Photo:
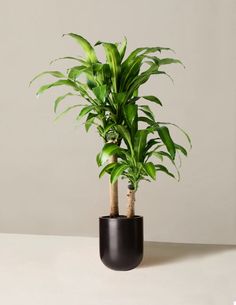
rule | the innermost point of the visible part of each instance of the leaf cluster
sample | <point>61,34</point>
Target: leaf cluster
<point>111,103</point>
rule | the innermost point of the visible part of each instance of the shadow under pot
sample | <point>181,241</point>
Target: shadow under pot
<point>121,242</point>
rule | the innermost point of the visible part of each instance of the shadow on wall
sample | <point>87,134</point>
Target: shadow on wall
<point>164,253</point>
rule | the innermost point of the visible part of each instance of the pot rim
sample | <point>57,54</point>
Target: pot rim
<point>120,218</point>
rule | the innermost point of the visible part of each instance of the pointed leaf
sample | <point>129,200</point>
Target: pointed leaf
<point>164,134</point>
<point>67,110</point>
<point>152,99</point>
<point>140,144</point>
<point>130,112</point>
<point>84,111</point>
<point>60,99</point>
<point>147,110</point>
<point>183,131</point>
<point>88,49</point>
<point>114,60</point>
<point>150,169</point>
<point>122,48</point>
<point>108,150</point>
<point>182,149</point>
<point>107,168</point>
<point>100,92</point>
<point>117,171</point>
<point>57,74</point>
<point>162,168</point>
<point>61,82</point>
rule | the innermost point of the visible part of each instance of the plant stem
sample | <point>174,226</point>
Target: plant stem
<point>114,204</point>
<point>131,202</point>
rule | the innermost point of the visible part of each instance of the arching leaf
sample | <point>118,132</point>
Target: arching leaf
<point>61,82</point>
<point>117,171</point>
<point>88,49</point>
<point>57,74</point>
<point>164,134</point>
<point>150,169</point>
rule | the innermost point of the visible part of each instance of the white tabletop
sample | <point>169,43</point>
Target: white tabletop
<point>58,270</point>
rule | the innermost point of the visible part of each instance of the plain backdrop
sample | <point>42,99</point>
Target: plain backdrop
<point>48,173</point>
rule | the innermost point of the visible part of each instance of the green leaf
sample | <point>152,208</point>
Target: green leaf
<point>130,112</point>
<point>167,61</point>
<point>57,74</point>
<point>67,110</point>
<point>117,171</point>
<point>100,92</point>
<point>125,135</point>
<point>75,72</point>
<point>162,168</point>
<point>60,99</point>
<point>61,82</point>
<point>84,111</point>
<point>158,155</point>
<point>107,168</point>
<point>146,109</point>
<point>90,120</point>
<point>108,150</point>
<point>114,60</point>
<point>140,140</point>
<point>152,99</point>
<point>146,120</point>
<point>150,169</point>
<point>183,131</point>
<point>182,149</point>
<point>129,70</point>
<point>88,49</point>
<point>122,48</point>
<point>164,134</point>
<point>68,57</point>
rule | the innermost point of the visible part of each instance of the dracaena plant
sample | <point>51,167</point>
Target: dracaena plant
<point>108,100</point>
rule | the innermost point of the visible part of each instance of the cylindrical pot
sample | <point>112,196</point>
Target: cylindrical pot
<point>121,242</point>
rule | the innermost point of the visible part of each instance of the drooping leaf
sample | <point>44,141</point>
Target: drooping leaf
<point>183,131</point>
<point>117,171</point>
<point>90,120</point>
<point>60,99</point>
<point>147,110</point>
<point>164,134</point>
<point>68,57</point>
<point>61,82</point>
<point>162,168</point>
<point>67,110</point>
<point>150,169</point>
<point>108,150</point>
<point>88,49</point>
<point>182,149</point>
<point>157,154</point>
<point>84,111</point>
<point>75,72</point>
<point>107,168</point>
<point>167,61</point>
<point>152,99</point>
<point>57,74</point>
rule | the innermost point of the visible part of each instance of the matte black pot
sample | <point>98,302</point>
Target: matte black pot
<point>121,242</point>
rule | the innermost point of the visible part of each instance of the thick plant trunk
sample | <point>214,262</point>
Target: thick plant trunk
<point>131,202</point>
<point>114,207</point>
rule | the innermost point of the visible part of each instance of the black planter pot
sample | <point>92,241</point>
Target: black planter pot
<point>121,242</point>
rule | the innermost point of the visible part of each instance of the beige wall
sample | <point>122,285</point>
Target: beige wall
<point>48,174</point>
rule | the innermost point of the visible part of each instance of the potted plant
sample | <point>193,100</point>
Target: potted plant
<point>135,144</point>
